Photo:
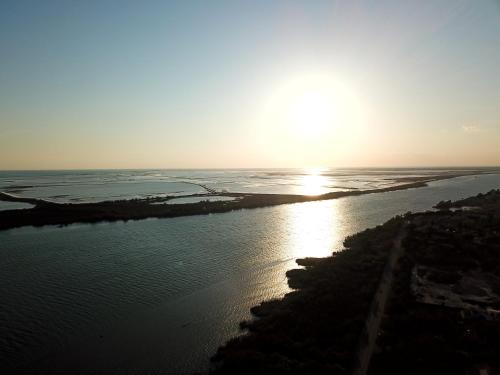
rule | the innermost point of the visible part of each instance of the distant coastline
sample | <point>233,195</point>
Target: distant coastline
<point>52,213</point>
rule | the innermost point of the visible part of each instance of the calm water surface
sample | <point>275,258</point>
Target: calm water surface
<point>14,205</point>
<point>160,295</point>
<point>100,185</point>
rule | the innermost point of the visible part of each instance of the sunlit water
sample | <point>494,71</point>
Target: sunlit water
<point>160,295</point>
<point>100,185</point>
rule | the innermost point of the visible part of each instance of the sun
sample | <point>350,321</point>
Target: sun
<point>310,117</point>
<point>309,107</point>
<point>311,112</point>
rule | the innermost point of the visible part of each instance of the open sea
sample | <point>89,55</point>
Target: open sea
<point>158,296</point>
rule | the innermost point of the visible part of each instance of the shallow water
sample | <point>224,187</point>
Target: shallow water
<point>160,295</point>
<point>100,185</point>
<point>14,205</point>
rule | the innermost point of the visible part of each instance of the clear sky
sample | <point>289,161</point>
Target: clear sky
<point>223,84</point>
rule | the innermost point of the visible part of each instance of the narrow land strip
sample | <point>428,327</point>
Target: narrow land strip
<point>52,213</point>
<point>378,306</point>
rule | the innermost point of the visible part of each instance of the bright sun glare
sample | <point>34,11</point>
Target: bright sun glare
<point>311,112</point>
<point>313,182</point>
<point>311,108</point>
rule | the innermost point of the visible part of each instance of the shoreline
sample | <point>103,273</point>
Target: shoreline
<point>367,296</point>
<point>318,327</point>
<point>52,213</point>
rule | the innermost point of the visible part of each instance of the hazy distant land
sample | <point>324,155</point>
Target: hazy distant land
<point>51,213</point>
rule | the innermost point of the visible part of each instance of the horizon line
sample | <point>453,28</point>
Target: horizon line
<point>253,168</point>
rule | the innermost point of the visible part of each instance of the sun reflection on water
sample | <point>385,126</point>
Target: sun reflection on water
<point>310,229</point>
<point>313,183</point>
<point>315,229</point>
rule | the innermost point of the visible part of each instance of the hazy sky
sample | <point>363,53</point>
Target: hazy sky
<point>189,84</point>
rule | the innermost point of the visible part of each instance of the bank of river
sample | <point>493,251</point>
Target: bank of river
<point>160,295</point>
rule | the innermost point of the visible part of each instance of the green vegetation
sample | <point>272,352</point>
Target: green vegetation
<point>317,328</point>
<point>446,338</point>
<point>481,200</point>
